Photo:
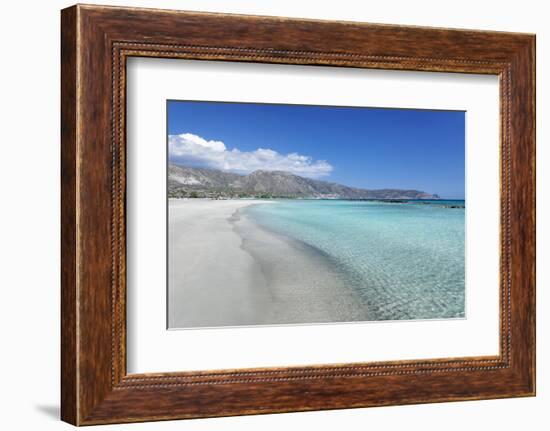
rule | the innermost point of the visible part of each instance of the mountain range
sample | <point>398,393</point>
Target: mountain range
<point>202,182</point>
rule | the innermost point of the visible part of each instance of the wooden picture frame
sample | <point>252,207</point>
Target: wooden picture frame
<point>95,43</point>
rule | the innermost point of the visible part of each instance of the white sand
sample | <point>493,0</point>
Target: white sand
<point>224,270</point>
<point>212,280</point>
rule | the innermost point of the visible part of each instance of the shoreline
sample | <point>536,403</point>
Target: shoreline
<point>306,284</point>
<point>226,270</point>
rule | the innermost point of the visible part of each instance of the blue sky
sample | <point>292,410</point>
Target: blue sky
<point>362,147</point>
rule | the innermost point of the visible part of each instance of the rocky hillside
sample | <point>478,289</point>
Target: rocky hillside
<point>200,182</point>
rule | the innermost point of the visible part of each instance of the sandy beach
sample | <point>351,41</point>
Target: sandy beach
<point>224,270</point>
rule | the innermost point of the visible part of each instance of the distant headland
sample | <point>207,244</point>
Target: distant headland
<point>188,182</point>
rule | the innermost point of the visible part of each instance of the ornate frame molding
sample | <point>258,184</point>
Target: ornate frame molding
<point>96,41</point>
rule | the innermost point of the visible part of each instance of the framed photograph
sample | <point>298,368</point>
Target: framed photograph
<point>290,247</point>
<point>265,215</point>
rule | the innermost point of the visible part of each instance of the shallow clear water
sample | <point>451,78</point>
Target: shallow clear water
<point>405,260</point>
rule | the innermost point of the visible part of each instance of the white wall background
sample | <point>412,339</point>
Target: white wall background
<point>29,214</point>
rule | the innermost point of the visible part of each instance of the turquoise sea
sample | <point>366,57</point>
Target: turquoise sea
<point>405,260</point>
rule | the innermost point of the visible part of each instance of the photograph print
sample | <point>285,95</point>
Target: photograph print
<point>285,214</point>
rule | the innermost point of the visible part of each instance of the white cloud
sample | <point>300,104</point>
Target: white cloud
<point>190,149</point>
